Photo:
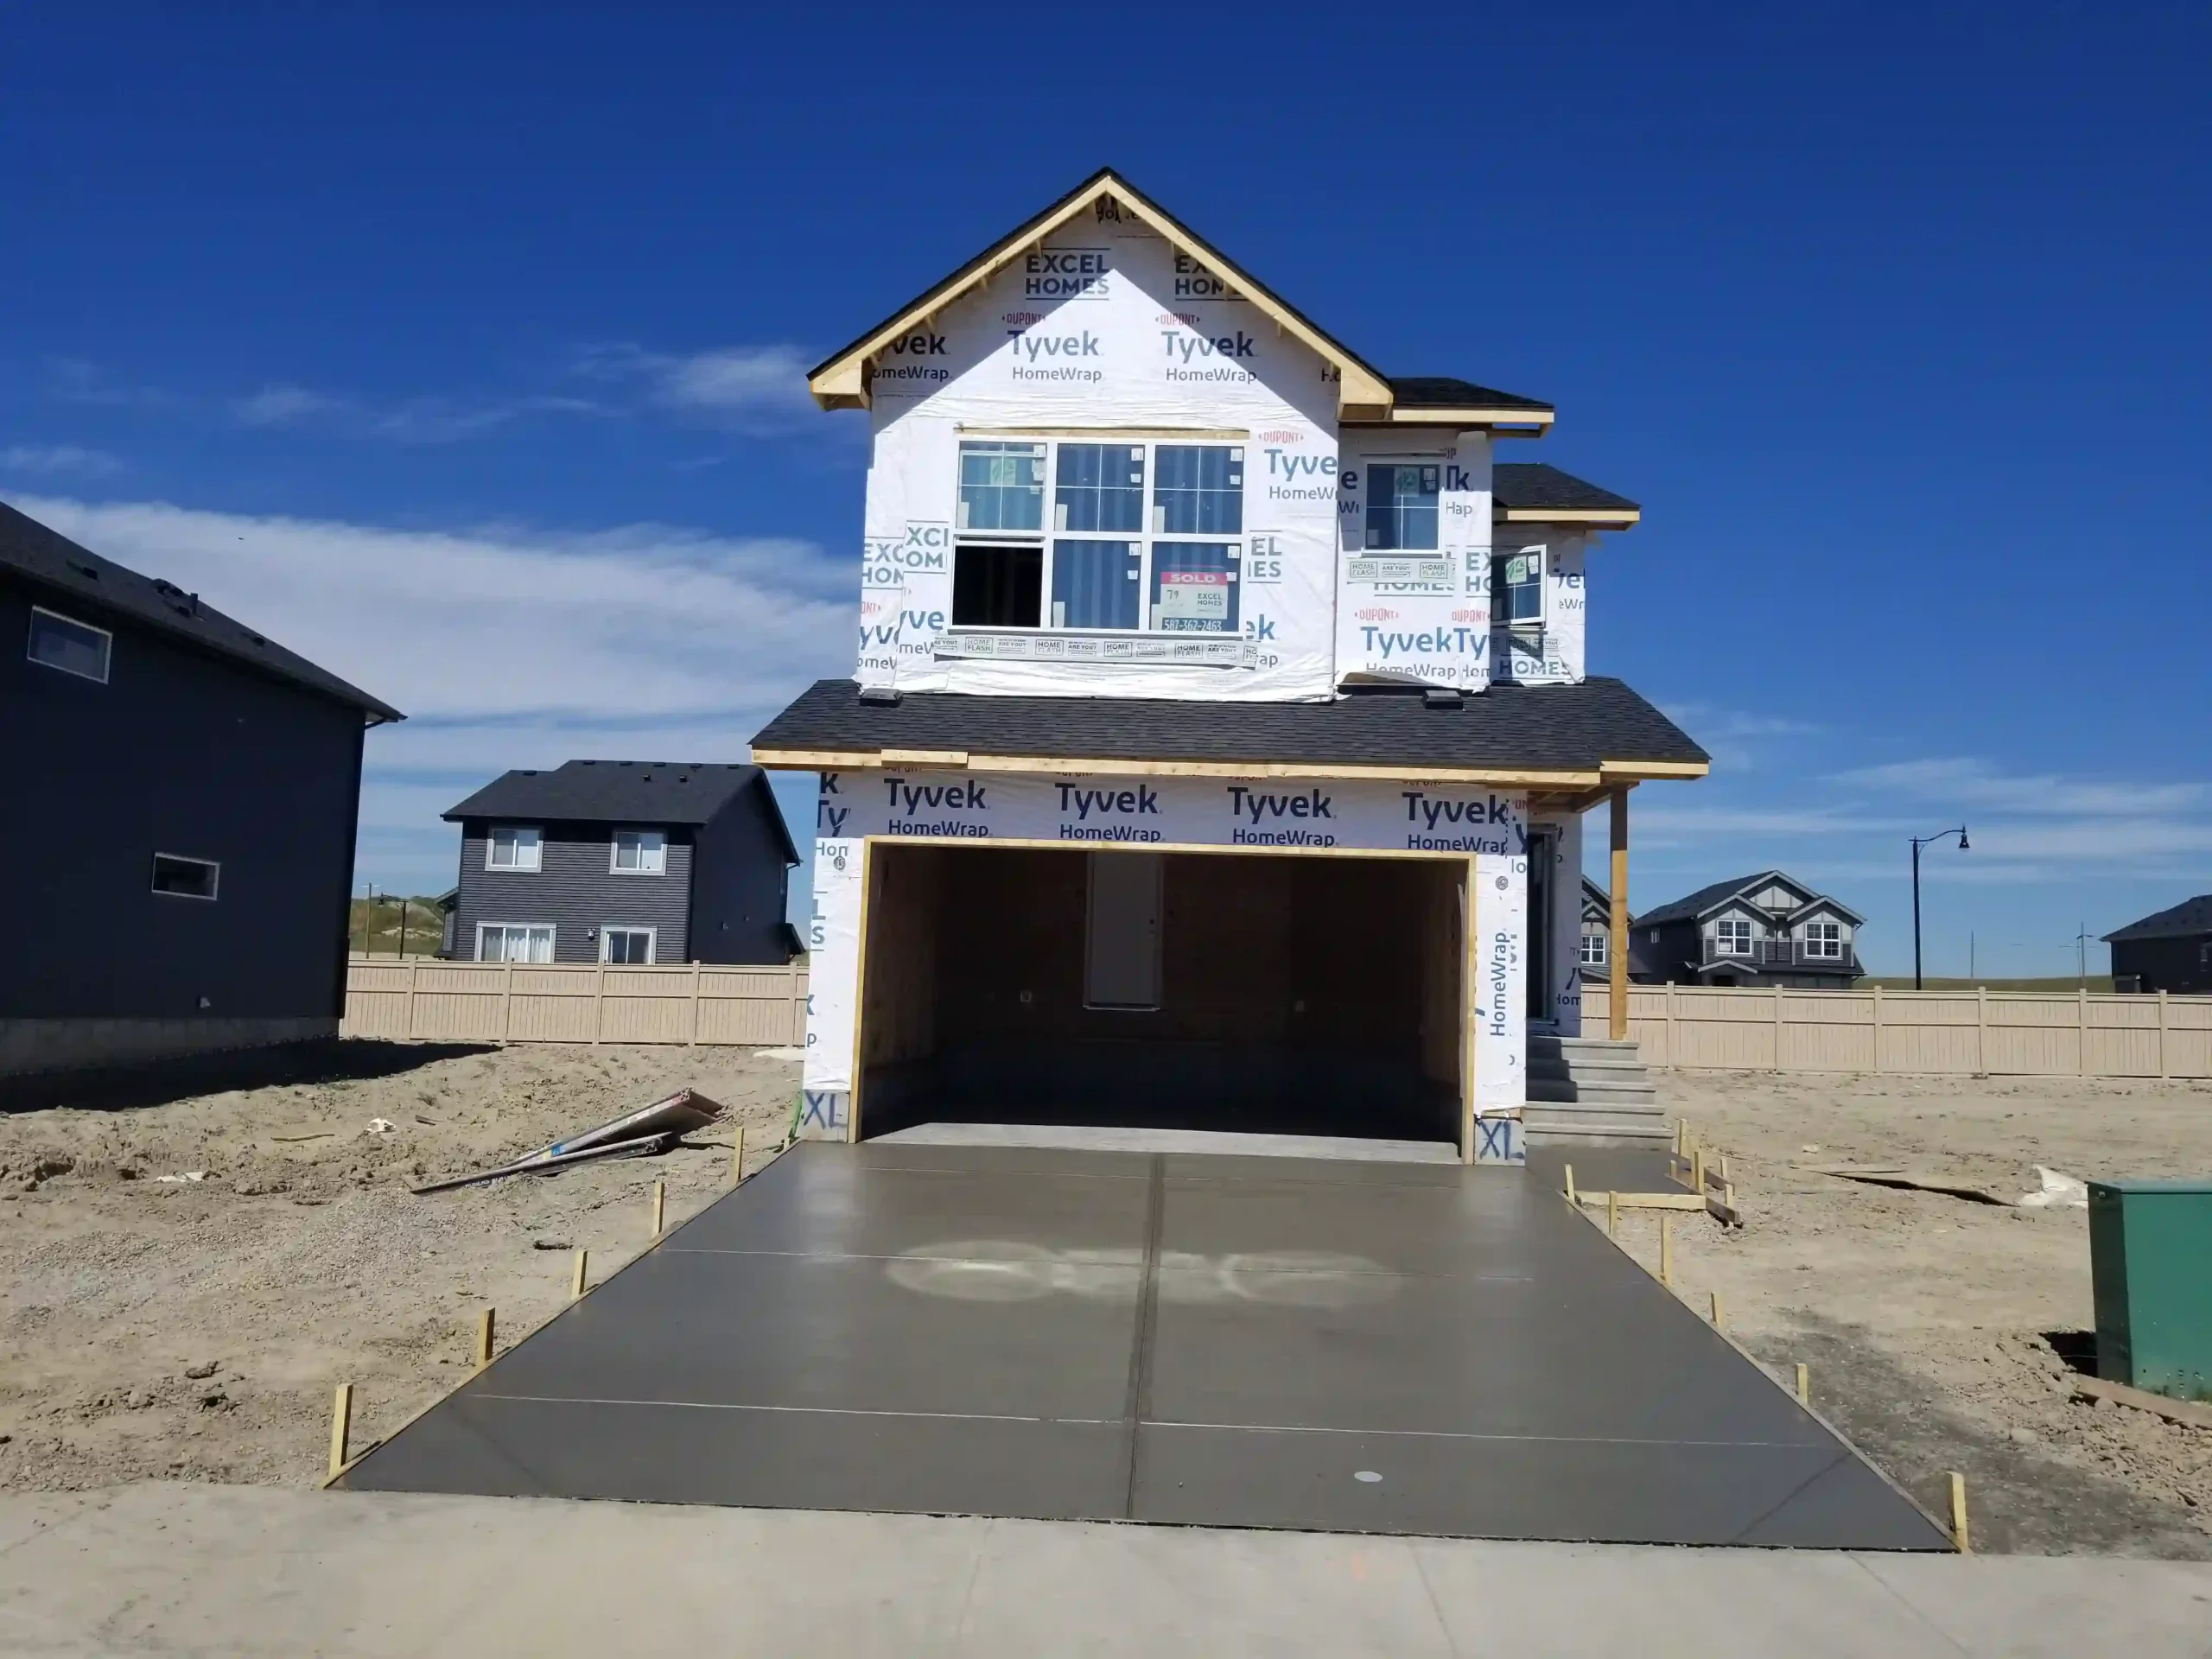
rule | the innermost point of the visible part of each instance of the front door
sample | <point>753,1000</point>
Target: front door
<point>1543,848</point>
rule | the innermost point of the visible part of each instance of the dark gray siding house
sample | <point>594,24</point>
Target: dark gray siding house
<point>180,805</point>
<point>2169,951</point>
<point>623,861</point>
<point>1767,929</point>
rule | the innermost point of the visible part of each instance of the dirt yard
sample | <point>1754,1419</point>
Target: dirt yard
<point>1938,1330</point>
<point>195,1328</point>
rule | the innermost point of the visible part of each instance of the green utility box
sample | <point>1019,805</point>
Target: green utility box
<point>2151,1266</point>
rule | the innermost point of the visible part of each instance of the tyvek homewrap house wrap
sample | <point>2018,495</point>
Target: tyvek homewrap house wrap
<point>1226,698</point>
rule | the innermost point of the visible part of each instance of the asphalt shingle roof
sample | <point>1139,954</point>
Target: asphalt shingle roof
<point>1535,485</point>
<point>1444,391</point>
<point>1563,728</point>
<point>2191,917</point>
<point>1696,903</point>
<point>81,581</point>
<point>619,792</point>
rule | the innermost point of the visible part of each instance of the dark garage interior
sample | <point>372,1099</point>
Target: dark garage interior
<point>1286,994</point>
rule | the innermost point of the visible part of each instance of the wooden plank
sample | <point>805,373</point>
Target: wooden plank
<point>2188,1412</point>
<point>341,1428</point>
<point>1642,1200</point>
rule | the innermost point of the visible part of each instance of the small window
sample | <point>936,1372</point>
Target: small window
<point>513,847</point>
<point>1516,588</point>
<point>1731,937</point>
<point>184,878</point>
<point>1197,490</point>
<point>1002,486</point>
<point>1402,506</point>
<point>626,945</point>
<point>1593,947</point>
<point>73,647</point>
<point>997,587</point>
<point>1824,939</point>
<point>640,852</point>
<point>513,942</point>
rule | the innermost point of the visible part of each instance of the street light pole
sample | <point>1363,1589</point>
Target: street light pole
<point>1919,842</point>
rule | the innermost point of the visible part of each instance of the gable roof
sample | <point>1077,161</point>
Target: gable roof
<point>1593,894</point>
<point>1532,492</point>
<point>841,380</point>
<point>2191,917</point>
<point>85,582</point>
<point>1705,900</point>
<point>622,791</point>
<point>1571,735</point>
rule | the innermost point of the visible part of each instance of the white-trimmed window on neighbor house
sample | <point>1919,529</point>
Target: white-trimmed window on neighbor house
<point>74,647</point>
<point>531,941</point>
<point>514,846</point>
<point>187,878</point>
<point>639,852</point>
<point>1135,536</point>
<point>1516,588</point>
<point>1824,940</point>
<point>1731,937</point>
<point>1402,504</point>
<point>1593,945</point>
<point>626,945</point>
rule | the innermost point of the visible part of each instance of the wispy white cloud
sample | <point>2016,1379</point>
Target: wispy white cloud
<point>59,458</point>
<point>417,420</point>
<point>751,387</point>
<point>77,381</point>
<point>1967,782</point>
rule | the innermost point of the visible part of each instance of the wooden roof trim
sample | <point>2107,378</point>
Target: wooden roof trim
<point>868,760</point>
<point>1619,518</point>
<point>842,382</point>
<point>1477,414</point>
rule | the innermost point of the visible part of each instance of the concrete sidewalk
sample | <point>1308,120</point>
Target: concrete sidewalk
<point>182,1569</point>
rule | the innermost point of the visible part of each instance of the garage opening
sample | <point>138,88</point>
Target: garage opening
<point>1253,993</point>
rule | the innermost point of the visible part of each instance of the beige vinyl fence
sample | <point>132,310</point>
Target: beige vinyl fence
<point>1964,1033</point>
<point>580,1002</point>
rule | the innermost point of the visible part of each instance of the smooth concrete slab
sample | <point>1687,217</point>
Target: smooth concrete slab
<point>1227,1340</point>
<point>1099,1138</point>
<point>173,1567</point>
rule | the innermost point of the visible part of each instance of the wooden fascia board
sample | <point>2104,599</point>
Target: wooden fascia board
<point>1529,418</point>
<point>867,760</point>
<point>841,384</point>
<point>1629,772</point>
<point>1618,518</point>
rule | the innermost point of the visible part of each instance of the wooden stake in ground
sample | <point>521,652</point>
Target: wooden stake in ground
<point>487,1325</point>
<point>577,1280</point>
<point>1667,1251</point>
<point>1959,1514</point>
<point>341,1427</point>
<point>1720,1313</point>
<point>737,1155</point>
<point>1612,1215</point>
<point>1697,1171</point>
<point>1570,1184</point>
<point>1805,1385</point>
<point>660,1204</point>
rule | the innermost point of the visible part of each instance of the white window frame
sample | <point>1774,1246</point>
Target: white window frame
<point>1596,946</point>
<point>1143,539</point>
<point>652,940</point>
<point>1824,941</point>
<point>1541,553</point>
<point>537,848</point>
<point>215,884</point>
<point>659,866</point>
<point>107,645</point>
<point>552,940</point>
<point>1728,930</point>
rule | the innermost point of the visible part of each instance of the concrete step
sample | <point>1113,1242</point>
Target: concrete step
<point>1539,1135</point>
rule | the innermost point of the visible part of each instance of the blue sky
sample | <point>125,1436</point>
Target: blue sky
<point>460,348</point>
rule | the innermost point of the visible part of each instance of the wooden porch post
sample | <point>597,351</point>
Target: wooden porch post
<point>1617,988</point>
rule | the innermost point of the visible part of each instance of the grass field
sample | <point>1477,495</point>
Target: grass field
<point>375,929</point>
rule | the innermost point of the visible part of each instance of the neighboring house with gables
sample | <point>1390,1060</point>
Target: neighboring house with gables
<point>1594,954</point>
<point>1768,929</point>
<point>624,862</point>
<point>180,799</point>
<point>2169,951</point>
<point>1220,733</point>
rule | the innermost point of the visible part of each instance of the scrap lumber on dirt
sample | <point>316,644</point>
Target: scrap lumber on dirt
<point>1896,1175</point>
<point>2187,1411</point>
<point>646,1132</point>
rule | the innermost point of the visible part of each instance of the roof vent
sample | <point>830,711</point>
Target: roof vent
<point>881,697</point>
<point>88,572</point>
<point>1440,696</point>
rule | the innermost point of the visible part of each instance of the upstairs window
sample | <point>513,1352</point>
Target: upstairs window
<point>74,647</point>
<point>1402,504</point>
<point>513,847</point>
<point>1593,945</point>
<point>640,852</point>
<point>1824,939</point>
<point>1731,937</point>
<point>1516,588</point>
<point>1142,536</point>
<point>186,878</point>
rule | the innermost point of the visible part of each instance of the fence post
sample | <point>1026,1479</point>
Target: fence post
<point>414,972</point>
<point>1777,1027</point>
<point>599,1002</point>
<point>797,1023</point>
<point>1878,1030</point>
<point>506,1001</point>
<point>2082,1029</point>
<point>1671,1050</point>
<point>695,967</point>
<point>1981,1031</point>
<point>2162,1036</point>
